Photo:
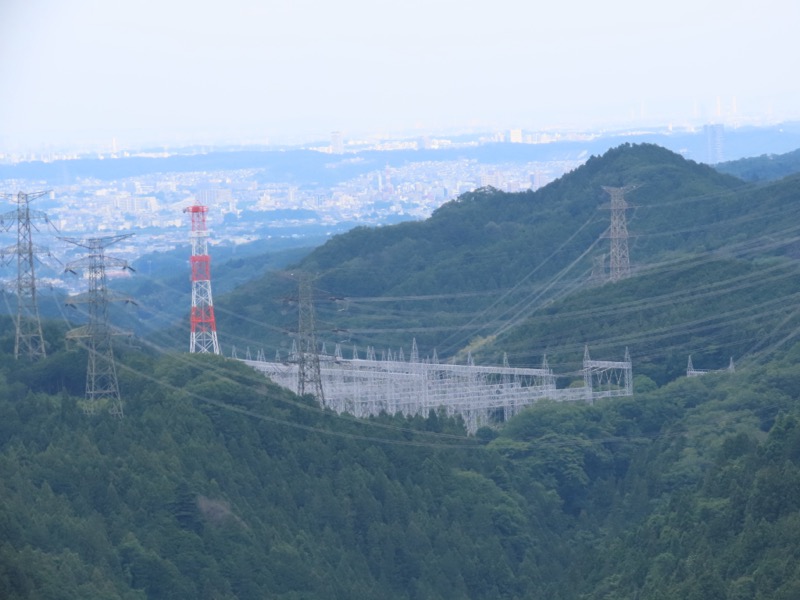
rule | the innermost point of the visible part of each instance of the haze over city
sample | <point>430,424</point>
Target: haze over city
<point>88,72</point>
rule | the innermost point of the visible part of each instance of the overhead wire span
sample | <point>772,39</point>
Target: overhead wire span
<point>462,294</point>
<point>294,425</point>
<point>636,304</point>
<point>560,275</point>
<point>355,301</point>
<point>664,333</point>
<point>523,309</point>
<point>754,279</point>
<point>452,341</point>
<point>477,444</point>
<point>257,379</point>
<point>745,247</point>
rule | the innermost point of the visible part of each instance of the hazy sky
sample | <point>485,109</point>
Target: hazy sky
<point>77,70</point>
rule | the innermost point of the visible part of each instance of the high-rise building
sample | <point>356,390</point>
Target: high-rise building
<point>337,142</point>
<point>538,180</point>
<point>213,196</point>
<point>715,142</point>
<point>491,179</point>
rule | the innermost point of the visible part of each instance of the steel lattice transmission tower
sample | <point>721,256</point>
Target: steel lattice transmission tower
<point>102,387</point>
<point>204,325</point>
<point>619,260</point>
<point>309,377</point>
<point>29,340</point>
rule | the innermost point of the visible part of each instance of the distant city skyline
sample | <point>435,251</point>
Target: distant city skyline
<point>279,71</point>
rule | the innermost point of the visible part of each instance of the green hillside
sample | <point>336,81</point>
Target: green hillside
<point>493,272</point>
<point>217,484</point>
<point>712,308</point>
<point>767,167</point>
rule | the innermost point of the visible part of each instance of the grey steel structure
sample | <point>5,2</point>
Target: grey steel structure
<point>692,372</point>
<point>28,341</point>
<point>480,395</point>
<point>309,377</point>
<point>607,378</point>
<point>619,259</point>
<point>102,386</point>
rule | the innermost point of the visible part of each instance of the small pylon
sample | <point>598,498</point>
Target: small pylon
<point>309,376</point>
<point>29,340</point>
<point>102,386</point>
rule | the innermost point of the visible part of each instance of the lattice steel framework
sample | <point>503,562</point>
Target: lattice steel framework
<point>607,378</point>
<point>203,337</point>
<point>102,386</point>
<point>692,372</point>
<point>619,259</point>
<point>309,378</point>
<point>29,340</point>
<point>481,395</point>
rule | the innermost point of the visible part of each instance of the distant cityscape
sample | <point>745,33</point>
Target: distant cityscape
<point>242,206</point>
<point>246,205</point>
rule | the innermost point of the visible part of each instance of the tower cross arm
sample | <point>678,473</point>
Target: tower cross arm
<point>87,262</point>
<point>87,297</point>
<point>13,215</point>
<point>21,197</point>
<point>85,331</point>
<point>618,196</point>
<point>96,243</point>
<point>15,249</point>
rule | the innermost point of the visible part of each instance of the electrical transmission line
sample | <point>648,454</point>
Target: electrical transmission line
<point>102,387</point>
<point>204,325</point>
<point>619,260</point>
<point>309,378</point>
<point>28,340</point>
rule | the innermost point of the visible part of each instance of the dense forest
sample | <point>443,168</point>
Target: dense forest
<point>767,167</point>
<point>218,484</point>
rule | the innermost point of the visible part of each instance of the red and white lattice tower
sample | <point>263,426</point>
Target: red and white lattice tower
<point>204,325</point>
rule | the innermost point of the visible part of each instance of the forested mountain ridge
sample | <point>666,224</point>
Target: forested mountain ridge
<point>713,309</point>
<point>525,226</point>
<point>767,167</point>
<point>483,264</point>
<point>217,484</point>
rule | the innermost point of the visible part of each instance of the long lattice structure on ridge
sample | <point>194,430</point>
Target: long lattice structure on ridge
<point>481,395</point>
<point>29,340</point>
<point>203,337</point>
